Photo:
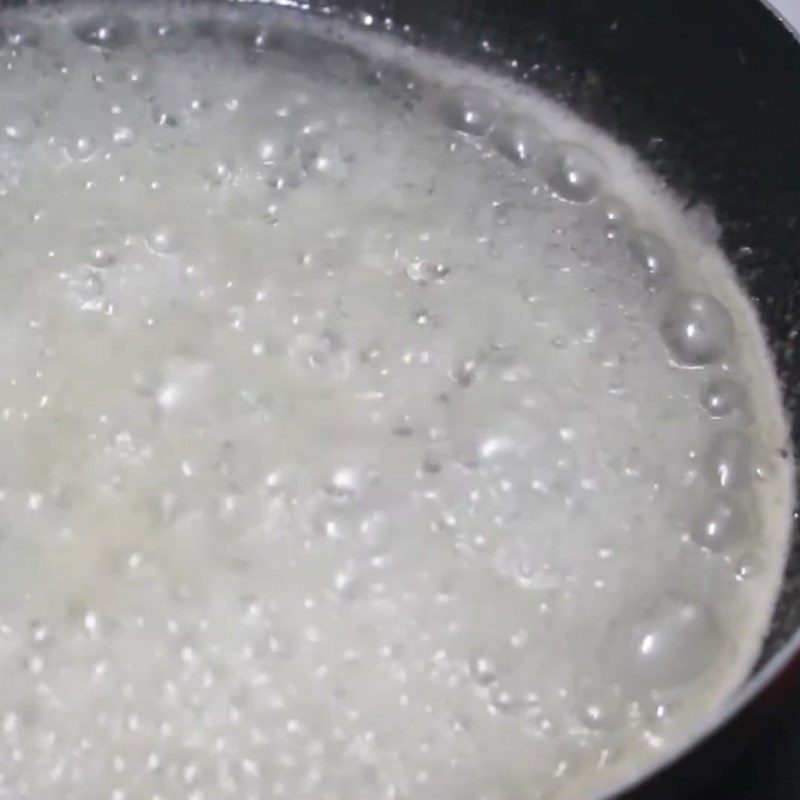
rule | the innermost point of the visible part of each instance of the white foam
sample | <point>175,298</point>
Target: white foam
<point>343,453</point>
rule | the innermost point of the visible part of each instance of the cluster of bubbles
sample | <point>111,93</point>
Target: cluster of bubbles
<point>347,409</point>
<point>696,328</point>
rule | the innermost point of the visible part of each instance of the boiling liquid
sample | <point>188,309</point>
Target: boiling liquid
<point>371,427</point>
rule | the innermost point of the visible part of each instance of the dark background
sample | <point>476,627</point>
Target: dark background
<point>769,769</point>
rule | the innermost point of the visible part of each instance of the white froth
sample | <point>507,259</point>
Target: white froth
<point>372,427</point>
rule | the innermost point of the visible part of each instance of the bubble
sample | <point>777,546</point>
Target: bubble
<point>324,352</point>
<point>470,110</point>
<point>331,162</point>
<point>167,121</point>
<point>482,669</point>
<point>517,138</point>
<point>374,530</point>
<point>88,287</point>
<point>463,371</point>
<point>396,81</point>
<point>82,149</point>
<point>573,173</point>
<point>123,136</point>
<point>19,124</point>
<point>101,256</point>
<point>599,706</point>
<point>721,397</point>
<point>267,152</point>
<point>346,581</point>
<point>220,172</point>
<point>722,525</point>
<point>426,272</point>
<point>186,384</point>
<point>321,157</point>
<point>499,446</point>
<point>505,702</point>
<point>617,215</point>
<point>163,241</point>
<point>348,481</point>
<point>109,31</point>
<point>20,33</point>
<point>255,36</point>
<point>728,459</point>
<point>170,36</point>
<point>696,328</point>
<point>749,566</point>
<point>652,254</point>
<point>669,643</point>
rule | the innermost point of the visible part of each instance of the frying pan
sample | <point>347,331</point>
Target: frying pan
<point>708,93</point>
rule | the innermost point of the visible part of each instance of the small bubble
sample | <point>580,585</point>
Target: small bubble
<point>600,706</point>
<point>426,272</point>
<point>616,211</point>
<point>90,288</point>
<point>101,257</point>
<point>35,665</point>
<point>519,139</point>
<point>20,33</point>
<point>721,397</point>
<point>163,241</point>
<point>749,566</point>
<point>503,701</point>
<point>124,136</point>
<point>499,446</point>
<point>652,254</point>
<point>186,383</point>
<point>728,459</point>
<point>255,36</point>
<point>373,530</point>
<point>421,317</point>
<point>470,110</point>
<point>163,119</point>
<point>83,149</point>
<point>616,215</point>
<point>696,328</point>
<point>91,623</point>
<point>109,31</point>
<point>345,582</point>
<point>330,161</point>
<point>463,372</point>
<point>722,525</point>
<point>267,152</point>
<point>347,482</point>
<point>220,172</point>
<point>40,632</point>
<point>17,131</point>
<point>573,173</point>
<point>482,670</point>
<point>664,644</point>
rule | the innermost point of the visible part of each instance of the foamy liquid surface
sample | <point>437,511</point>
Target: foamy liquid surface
<point>370,428</point>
